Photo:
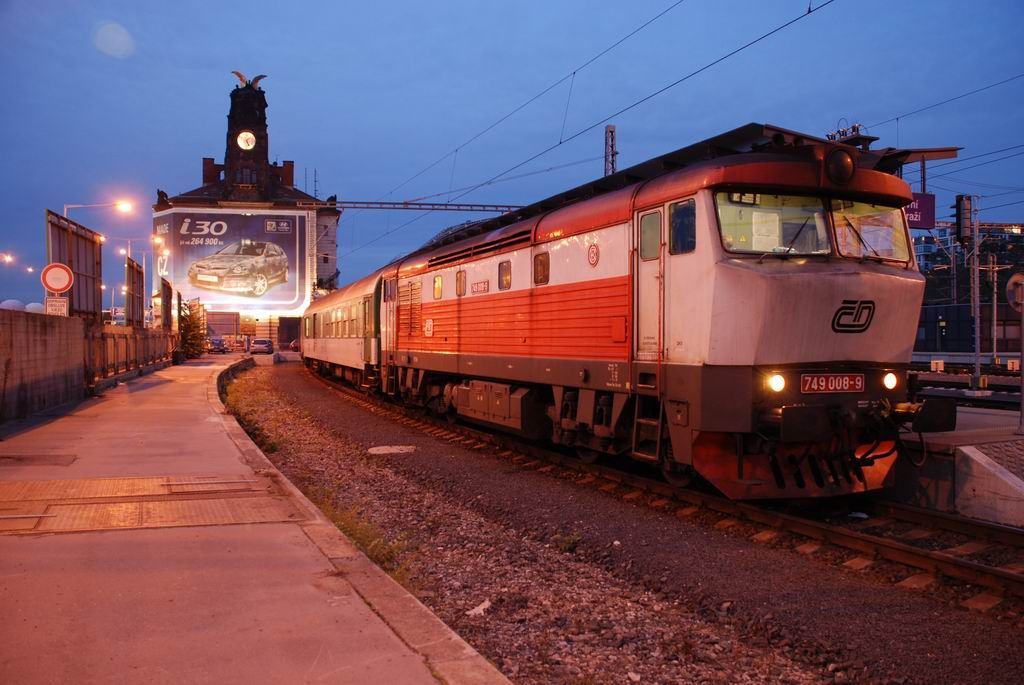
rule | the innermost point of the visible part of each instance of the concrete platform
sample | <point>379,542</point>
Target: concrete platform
<point>145,538</point>
<point>977,470</point>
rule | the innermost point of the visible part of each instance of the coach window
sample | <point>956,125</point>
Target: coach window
<point>438,286</point>
<point>650,236</point>
<point>504,275</point>
<point>682,221</point>
<point>541,268</point>
<point>460,283</point>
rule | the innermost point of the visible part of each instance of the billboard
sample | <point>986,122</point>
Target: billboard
<point>80,248</point>
<point>134,299</point>
<point>237,261</point>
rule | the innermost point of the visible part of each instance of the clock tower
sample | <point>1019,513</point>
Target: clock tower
<point>247,156</point>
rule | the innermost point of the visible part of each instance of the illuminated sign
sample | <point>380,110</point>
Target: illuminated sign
<point>921,212</point>
<point>235,261</point>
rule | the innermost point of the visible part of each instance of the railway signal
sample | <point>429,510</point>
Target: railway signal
<point>963,218</point>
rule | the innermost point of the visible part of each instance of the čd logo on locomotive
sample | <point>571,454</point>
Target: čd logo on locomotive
<point>853,316</point>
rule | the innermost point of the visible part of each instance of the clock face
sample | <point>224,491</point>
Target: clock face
<point>246,140</point>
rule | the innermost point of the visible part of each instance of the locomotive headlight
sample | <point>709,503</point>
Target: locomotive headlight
<point>889,380</point>
<point>839,165</point>
<point>776,382</point>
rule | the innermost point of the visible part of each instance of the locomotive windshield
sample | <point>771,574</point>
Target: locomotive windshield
<point>781,225</point>
<point>773,224</point>
<point>865,230</point>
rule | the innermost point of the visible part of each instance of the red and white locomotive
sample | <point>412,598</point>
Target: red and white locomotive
<point>743,309</point>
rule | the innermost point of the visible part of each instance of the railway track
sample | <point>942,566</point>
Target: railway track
<point>935,543</point>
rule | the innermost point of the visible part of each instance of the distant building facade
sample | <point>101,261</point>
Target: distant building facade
<point>246,240</point>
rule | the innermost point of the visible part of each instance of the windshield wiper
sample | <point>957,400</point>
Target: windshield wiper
<point>857,233</point>
<point>789,248</point>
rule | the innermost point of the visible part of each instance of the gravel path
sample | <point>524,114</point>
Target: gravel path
<point>556,582</point>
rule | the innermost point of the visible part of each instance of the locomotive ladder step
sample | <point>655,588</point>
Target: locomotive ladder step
<point>644,407</point>
<point>645,455</point>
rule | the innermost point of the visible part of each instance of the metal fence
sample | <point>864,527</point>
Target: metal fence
<point>111,350</point>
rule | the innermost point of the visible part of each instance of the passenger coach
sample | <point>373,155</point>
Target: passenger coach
<point>743,309</point>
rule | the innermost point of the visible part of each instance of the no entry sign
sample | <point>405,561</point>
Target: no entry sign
<point>57,277</point>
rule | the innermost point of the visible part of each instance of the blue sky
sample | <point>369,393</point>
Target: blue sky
<point>367,94</point>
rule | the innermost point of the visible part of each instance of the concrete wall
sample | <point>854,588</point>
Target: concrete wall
<point>41,362</point>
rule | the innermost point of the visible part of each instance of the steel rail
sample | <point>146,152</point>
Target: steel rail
<point>935,562</point>
<point>983,530</point>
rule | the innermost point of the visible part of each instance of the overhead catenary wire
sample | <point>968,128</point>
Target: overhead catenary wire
<point>529,101</point>
<point>637,103</point>
<point>961,160</point>
<point>974,166</point>
<point>946,101</point>
<point>514,178</point>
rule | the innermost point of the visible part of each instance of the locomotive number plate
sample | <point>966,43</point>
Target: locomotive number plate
<point>831,382</point>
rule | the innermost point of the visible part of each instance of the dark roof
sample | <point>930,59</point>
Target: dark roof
<point>212,193</point>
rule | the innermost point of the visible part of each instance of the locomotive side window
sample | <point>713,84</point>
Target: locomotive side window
<point>682,221</point>
<point>541,268</point>
<point>504,275</point>
<point>438,287</point>
<point>866,230</point>
<point>460,283</point>
<point>650,236</point>
<point>764,224</point>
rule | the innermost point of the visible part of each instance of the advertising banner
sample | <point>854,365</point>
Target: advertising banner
<point>80,248</point>
<point>921,212</point>
<point>236,261</point>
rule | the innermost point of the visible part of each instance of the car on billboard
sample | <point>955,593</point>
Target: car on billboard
<point>249,267</point>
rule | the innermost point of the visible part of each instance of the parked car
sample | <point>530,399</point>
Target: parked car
<point>294,346</point>
<point>248,267</point>
<point>261,345</point>
<point>217,345</point>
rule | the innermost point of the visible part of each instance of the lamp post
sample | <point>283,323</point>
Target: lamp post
<point>123,206</point>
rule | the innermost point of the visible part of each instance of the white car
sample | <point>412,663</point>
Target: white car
<point>261,345</point>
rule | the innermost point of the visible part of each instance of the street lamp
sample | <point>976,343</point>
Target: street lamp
<point>8,258</point>
<point>123,206</point>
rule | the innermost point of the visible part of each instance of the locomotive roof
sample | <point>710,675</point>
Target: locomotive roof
<point>750,138</point>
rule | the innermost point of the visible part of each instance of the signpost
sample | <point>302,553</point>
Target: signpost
<point>1015,296</point>
<point>57,278</point>
<point>56,306</point>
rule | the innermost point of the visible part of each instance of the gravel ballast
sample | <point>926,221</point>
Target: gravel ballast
<point>557,582</point>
